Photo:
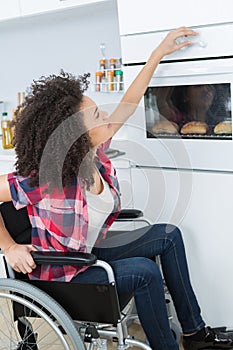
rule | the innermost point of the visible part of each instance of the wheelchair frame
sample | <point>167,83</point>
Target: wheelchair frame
<point>30,302</point>
<point>33,300</point>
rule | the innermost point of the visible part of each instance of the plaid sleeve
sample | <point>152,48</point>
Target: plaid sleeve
<point>22,194</point>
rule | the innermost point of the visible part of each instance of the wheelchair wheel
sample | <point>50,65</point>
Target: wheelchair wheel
<point>31,319</point>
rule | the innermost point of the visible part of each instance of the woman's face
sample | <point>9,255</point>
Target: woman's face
<point>96,122</point>
<point>200,96</point>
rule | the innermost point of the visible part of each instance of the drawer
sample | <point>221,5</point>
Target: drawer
<point>210,42</point>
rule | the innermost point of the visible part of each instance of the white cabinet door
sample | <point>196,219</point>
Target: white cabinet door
<point>161,194</point>
<point>150,15</point>
<point>201,205</point>
<point>30,7</point>
<point>9,9</point>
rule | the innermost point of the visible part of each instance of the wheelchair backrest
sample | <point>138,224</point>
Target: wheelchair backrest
<point>16,222</point>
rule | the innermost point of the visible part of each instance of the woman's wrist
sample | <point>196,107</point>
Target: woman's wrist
<point>157,54</point>
<point>8,247</point>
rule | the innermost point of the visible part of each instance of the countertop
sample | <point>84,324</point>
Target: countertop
<point>9,155</point>
<point>6,154</point>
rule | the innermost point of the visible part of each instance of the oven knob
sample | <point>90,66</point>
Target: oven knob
<point>202,43</point>
<point>180,40</point>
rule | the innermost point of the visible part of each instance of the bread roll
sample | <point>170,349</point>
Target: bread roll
<point>224,127</point>
<point>165,127</point>
<point>195,128</point>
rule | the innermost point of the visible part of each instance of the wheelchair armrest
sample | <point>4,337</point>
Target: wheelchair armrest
<point>63,258</point>
<point>129,214</point>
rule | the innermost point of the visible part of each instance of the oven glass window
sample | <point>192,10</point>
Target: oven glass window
<point>189,111</point>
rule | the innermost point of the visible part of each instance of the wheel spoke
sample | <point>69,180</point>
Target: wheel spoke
<point>40,320</point>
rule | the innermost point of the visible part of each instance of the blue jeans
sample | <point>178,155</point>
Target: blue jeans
<point>130,255</point>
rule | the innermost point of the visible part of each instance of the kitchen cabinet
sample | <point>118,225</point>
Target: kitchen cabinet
<point>9,9</point>
<point>200,204</point>
<point>149,15</point>
<point>29,7</point>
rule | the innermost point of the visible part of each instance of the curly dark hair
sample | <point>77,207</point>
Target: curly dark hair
<point>51,142</point>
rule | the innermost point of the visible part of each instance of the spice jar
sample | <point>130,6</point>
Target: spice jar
<point>7,134</point>
<point>103,66</point>
<point>103,85</point>
<point>112,62</point>
<point>110,80</point>
<point>119,79</point>
<point>98,79</point>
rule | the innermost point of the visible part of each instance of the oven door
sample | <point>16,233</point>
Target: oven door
<point>184,119</point>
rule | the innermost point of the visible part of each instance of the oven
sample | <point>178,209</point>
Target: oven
<point>185,117</point>
<point>179,143</point>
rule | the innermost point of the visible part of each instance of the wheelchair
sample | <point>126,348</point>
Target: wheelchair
<point>59,315</point>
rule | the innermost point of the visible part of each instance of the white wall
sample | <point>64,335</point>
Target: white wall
<point>43,44</point>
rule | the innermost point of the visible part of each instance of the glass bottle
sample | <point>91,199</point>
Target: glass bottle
<point>103,66</point>
<point>98,80</point>
<point>112,62</point>
<point>110,80</point>
<point>103,86</point>
<point>7,134</point>
<point>119,80</point>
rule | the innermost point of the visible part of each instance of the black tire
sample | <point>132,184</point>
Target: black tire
<point>50,324</point>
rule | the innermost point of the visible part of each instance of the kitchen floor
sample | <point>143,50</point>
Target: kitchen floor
<point>6,319</point>
<point>135,330</point>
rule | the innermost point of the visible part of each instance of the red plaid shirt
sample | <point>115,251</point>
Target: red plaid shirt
<point>60,221</point>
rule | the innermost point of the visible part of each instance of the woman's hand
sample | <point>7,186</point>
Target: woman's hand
<point>169,43</point>
<point>19,258</point>
<point>136,90</point>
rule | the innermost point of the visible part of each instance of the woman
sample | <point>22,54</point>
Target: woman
<point>202,103</point>
<point>62,171</point>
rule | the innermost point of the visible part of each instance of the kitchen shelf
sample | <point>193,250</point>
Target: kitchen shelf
<point>104,87</point>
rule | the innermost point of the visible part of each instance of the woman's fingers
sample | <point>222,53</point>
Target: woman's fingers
<point>20,259</point>
<point>171,43</point>
<point>183,31</point>
<point>30,260</point>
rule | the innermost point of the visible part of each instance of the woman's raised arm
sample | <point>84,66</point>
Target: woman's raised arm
<point>136,90</point>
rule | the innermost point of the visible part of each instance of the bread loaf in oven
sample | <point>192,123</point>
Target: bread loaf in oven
<point>165,127</point>
<point>194,127</point>
<point>224,127</point>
